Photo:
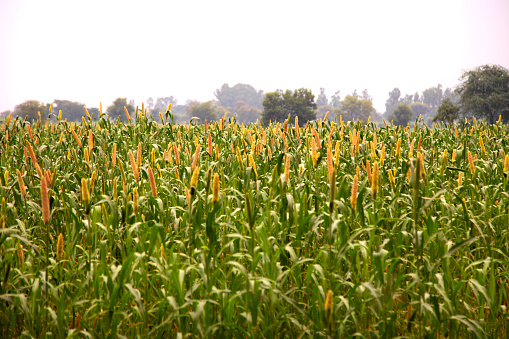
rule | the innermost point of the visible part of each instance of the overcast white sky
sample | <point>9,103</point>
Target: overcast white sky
<point>93,51</point>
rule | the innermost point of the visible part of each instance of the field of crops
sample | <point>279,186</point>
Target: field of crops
<point>219,230</point>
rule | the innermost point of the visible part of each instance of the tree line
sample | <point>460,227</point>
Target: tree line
<point>483,93</point>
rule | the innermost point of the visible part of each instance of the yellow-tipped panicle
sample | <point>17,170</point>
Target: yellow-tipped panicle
<point>252,164</point>
<point>471,164</point>
<point>194,180</point>
<point>21,255</point>
<point>374,183</point>
<point>76,138</point>
<point>21,184</point>
<point>391,180</point>
<point>353,199</point>
<point>46,215</point>
<point>152,181</point>
<point>287,169</point>
<point>328,309</point>
<point>114,155</point>
<point>138,156</point>
<point>85,194</point>
<point>127,114</point>
<point>481,144</point>
<point>134,166</point>
<point>60,246</point>
<point>215,189</point>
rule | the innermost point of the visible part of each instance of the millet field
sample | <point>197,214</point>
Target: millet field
<point>319,229</point>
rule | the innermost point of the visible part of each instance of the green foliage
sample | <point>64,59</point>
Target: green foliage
<point>336,100</point>
<point>484,93</point>
<point>322,110</point>
<point>402,115</point>
<point>246,114</point>
<point>71,110</point>
<point>355,108</point>
<point>277,106</point>
<point>117,110</point>
<point>30,110</point>
<point>392,102</point>
<point>447,111</point>
<point>268,255</point>
<point>229,96</point>
<point>203,111</point>
<point>419,109</point>
<point>432,96</point>
<point>322,100</point>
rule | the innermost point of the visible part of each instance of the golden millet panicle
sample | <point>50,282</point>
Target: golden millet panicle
<point>194,180</point>
<point>374,183</point>
<point>328,309</point>
<point>215,189</point>
<point>46,215</point>
<point>21,184</point>
<point>152,181</point>
<point>134,166</point>
<point>60,246</point>
<point>353,199</point>
<point>85,193</point>
<point>21,255</point>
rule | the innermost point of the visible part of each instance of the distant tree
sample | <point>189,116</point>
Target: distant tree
<point>419,109</point>
<point>203,111</point>
<point>322,110</point>
<point>165,101</point>
<point>29,110</point>
<point>432,96</point>
<point>392,102</point>
<point>484,93</point>
<point>365,95</point>
<point>336,100</point>
<point>451,95</point>
<point>322,100</point>
<point>117,109</point>
<point>71,110</point>
<point>447,111</point>
<point>417,97</point>
<point>5,114</point>
<point>407,99</point>
<point>355,94</point>
<point>277,106</point>
<point>228,96</point>
<point>355,108</point>
<point>402,114</point>
<point>246,114</point>
<point>150,103</point>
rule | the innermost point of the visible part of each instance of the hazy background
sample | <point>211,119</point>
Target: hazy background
<point>93,51</point>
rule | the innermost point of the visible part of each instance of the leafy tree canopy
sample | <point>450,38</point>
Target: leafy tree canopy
<point>419,109</point>
<point>245,113</point>
<point>447,111</point>
<point>355,108</point>
<point>322,100</point>
<point>228,96</point>
<point>322,110</point>
<point>117,109</point>
<point>432,96</point>
<point>277,106</point>
<point>484,92</point>
<point>336,100</point>
<point>71,110</point>
<point>30,109</point>
<point>203,111</point>
<point>402,114</point>
<point>392,102</point>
